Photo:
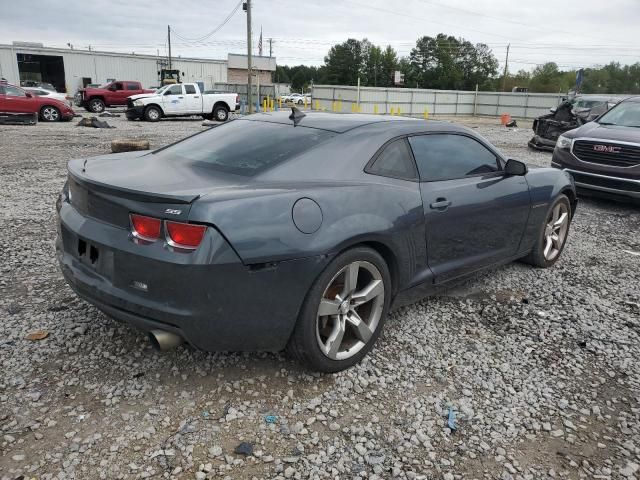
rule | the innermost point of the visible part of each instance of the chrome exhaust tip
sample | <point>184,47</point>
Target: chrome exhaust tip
<point>162,340</point>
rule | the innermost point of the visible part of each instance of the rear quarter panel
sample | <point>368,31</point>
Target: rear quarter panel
<point>260,226</point>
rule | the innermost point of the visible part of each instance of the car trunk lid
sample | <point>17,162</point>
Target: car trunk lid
<point>110,187</point>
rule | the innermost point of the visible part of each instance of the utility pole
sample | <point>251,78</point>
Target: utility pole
<point>249,59</point>
<point>506,66</point>
<point>270,47</point>
<point>169,40</point>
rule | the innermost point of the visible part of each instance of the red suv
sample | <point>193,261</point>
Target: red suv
<point>14,100</point>
<point>109,95</point>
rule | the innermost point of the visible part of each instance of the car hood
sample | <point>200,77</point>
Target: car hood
<point>142,95</point>
<point>606,132</point>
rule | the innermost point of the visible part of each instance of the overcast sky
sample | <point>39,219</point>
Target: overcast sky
<point>573,33</point>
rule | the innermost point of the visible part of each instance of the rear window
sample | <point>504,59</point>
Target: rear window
<point>245,147</point>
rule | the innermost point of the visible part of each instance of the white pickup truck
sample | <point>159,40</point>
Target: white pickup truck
<point>182,99</point>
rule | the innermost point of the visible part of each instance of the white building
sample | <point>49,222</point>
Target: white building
<point>70,69</point>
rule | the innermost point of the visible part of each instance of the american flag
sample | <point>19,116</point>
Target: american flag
<point>260,43</point>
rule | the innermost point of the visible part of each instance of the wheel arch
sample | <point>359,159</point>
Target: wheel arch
<point>573,198</point>
<point>220,103</point>
<point>154,105</point>
<point>385,252</point>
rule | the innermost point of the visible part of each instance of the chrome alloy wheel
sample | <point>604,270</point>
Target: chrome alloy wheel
<point>153,114</point>
<point>555,232</point>
<point>350,310</point>
<point>50,114</point>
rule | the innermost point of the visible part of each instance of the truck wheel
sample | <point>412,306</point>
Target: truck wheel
<point>96,105</point>
<point>220,114</point>
<point>152,114</point>
<point>49,114</point>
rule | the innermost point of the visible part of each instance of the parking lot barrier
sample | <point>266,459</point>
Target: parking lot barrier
<point>426,114</point>
<point>375,109</point>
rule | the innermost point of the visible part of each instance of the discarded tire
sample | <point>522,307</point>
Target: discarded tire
<point>128,145</point>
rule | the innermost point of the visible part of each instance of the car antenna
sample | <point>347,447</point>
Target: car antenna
<point>296,115</point>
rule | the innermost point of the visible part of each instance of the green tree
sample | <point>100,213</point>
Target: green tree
<point>445,62</point>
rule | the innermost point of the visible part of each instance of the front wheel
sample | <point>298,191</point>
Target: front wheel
<point>96,105</point>
<point>553,234</point>
<point>343,312</point>
<point>49,114</point>
<point>152,114</point>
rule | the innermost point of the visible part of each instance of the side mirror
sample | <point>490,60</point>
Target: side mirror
<point>29,95</point>
<point>515,167</point>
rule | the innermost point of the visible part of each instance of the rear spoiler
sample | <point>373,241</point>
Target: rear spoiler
<point>76,175</point>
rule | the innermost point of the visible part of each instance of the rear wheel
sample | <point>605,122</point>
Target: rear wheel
<point>49,113</point>
<point>553,234</point>
<point>300,102</point>
<point>96,105</point>
<point>152,114</point>
<point>344,312</point>
<point>220,114</point>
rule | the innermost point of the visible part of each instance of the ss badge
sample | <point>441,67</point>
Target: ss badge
<point>171,211</point>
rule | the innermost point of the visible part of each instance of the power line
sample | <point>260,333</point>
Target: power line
<point>215,30</point>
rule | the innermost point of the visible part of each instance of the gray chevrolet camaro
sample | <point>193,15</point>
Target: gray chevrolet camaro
<point>299,231</point>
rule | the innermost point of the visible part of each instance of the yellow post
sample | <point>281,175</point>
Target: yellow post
<point>398,112</point>
<point>353,108</point>
<point>272,104</point>
<point>264,104</point>
<point>426,114</point>
<point>333,106</point>
<point>375,109</point>
<point>340,105</point>
<point>279,103</point>
<point>359,108</point>
<point>392,112</point>
<point>317,105</point>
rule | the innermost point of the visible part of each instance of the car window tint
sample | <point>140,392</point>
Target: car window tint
<point>244,147</point>
<point>118,86</point>
<point>13,92</point>
<point>174,90</point>
<point>447,156</point>
<point>189,89</point>
<point>132,86</point>
<point>394,161</point>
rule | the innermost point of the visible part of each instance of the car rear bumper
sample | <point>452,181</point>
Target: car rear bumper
<point>209,297</point>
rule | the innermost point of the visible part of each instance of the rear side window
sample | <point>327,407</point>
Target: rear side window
<point>449,156</point>
<point>189,89</point>
<point>132,86</point>
<point>244,147</point>
<point>394,161</point>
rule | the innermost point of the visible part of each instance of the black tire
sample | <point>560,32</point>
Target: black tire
<point>152,114</point>
<point>537,257</point>
<point>49,113</point>
<point>304,342</point>
<point>96,105</point>
<point>300,102</point>
<point>220,113</point>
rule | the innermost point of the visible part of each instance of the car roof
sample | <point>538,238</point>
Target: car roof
<point>635,99</point>
<point>335,122</point>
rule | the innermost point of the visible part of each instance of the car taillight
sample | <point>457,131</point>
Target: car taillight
<point>185,235</point>
<point>146,228</point>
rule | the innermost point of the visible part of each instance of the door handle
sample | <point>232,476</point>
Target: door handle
<point>196,96</point>
<point>440,204</point>
<point>180,97</point>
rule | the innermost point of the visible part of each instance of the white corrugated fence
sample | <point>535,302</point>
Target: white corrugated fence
<point>415,102</point>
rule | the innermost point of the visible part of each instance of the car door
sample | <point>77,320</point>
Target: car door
<point>173,101</point>
<point>475,215</point>
<point>193,99</point>
<point>15,100</point>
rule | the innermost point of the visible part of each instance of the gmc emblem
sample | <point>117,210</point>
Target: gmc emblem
<point>607,148</point>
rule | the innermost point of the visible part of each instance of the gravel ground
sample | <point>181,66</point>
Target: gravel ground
<point>540,367</point>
